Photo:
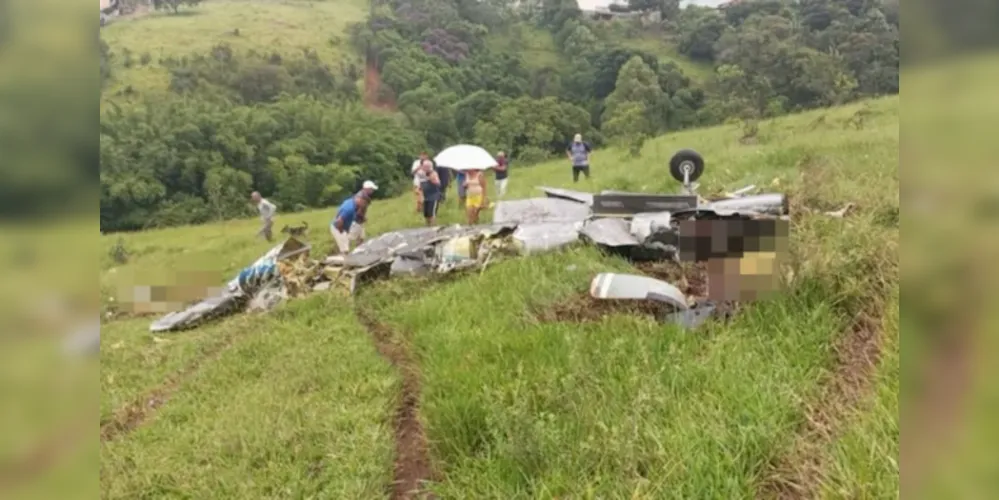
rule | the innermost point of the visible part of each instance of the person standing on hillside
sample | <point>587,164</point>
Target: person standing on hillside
<point>267,211</point>
<point>502,174</point>
<point>346,216</point>
<point>444,174</point>
<point>417,170</point>
<point>579,154</point>
<point>430,186</point>
<point>460,182</point>
<point>357,233</point>
<point>475,189</point>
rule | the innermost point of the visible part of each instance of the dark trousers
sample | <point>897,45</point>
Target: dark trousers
<point>577,169</point>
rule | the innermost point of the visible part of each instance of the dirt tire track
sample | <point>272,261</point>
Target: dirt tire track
<point>412,454</point>
<point>129,417</point>
<point>798,472</point>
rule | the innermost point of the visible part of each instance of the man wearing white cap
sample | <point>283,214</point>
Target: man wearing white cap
<point>356,234</point>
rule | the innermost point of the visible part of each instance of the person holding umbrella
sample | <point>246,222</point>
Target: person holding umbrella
<point>469,162</point>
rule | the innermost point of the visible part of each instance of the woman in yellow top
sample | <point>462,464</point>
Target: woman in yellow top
<point>475,195</point>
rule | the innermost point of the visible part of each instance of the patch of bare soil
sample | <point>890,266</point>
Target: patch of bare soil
<point>690,278</point>
<point>412,454</point>
<point>581,308</point>
<point>134,414</point>
<point>374,98</point>
<point>798,472</point>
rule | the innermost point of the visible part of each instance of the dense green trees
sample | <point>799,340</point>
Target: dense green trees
<point>293,127</point>
<point>193,160</point>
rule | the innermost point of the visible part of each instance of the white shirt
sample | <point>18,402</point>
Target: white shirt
<point>419,177</point>
<point>266,208</point>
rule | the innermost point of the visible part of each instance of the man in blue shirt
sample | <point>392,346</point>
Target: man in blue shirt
<point>356,232</point>
<point>345,218</point>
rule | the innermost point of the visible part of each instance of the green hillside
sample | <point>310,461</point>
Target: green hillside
<point>193,118</point>
<point>513,404</point>
<point>667,53</point>
<point>266,26</point>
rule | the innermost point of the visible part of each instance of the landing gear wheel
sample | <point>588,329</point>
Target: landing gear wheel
<point>686,161</point>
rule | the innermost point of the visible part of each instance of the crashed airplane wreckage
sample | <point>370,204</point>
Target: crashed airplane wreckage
<point>639,226</point>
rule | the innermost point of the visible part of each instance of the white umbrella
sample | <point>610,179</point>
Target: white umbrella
<point>465,157</point>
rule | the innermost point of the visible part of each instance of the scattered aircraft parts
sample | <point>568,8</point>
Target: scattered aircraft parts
<point>640,226</point>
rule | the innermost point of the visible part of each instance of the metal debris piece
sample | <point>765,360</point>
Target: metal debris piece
<point>643,225</point>
<point>568,194</point>
<point>695,316</point>
<point>769,203</point>
<point>611,233</point>
<point>841,212</point>
<point>635,287</point>
<point>534,210</point>
<point>206,310</point>
<point>634,203</point>
<point>267,298</point>
<point>262,274</point>
<point>412,264</point>
<point>738,193</point>
<point>547,236</point>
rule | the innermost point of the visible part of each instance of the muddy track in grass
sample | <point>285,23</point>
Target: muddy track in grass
<point>798,472</point>
<point>412,454</point>
<point>131,416</point>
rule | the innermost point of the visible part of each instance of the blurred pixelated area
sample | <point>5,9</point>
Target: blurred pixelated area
<point>171,291</point>
<point>950,188</point>
<point>49,327</point>
<point>743,257</point>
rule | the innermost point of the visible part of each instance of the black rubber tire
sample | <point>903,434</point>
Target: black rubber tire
<point>683,158</point>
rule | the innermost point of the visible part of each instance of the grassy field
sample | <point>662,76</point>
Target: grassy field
<point>796,393</point>
<point>653,44</point>
<point>539,50</point>
<point>535,45</point>
<point>266,26</point>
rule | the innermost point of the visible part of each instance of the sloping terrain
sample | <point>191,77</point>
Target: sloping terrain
<point>515,404</point>
<point>266,26</point>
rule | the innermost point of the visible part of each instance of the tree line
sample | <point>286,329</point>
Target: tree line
<point>294,127</point>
